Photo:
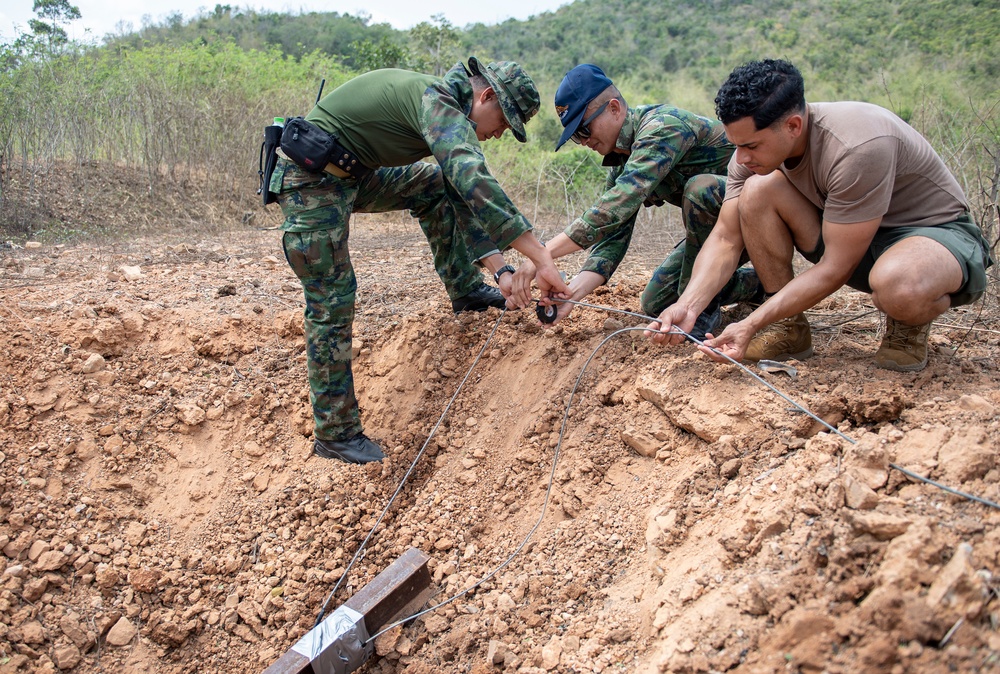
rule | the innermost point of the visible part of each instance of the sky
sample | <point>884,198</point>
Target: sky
<point>101,17</point>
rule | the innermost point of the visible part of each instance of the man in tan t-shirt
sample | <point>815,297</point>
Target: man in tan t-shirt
<point>859,193</point>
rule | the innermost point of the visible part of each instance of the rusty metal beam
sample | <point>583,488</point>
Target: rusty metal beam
<point>380,601</point>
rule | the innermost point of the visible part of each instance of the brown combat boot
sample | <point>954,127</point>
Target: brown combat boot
<point>789,338</point>
<point>904,347</point>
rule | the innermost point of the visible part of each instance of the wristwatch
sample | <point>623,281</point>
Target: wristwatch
<point>501,271</point>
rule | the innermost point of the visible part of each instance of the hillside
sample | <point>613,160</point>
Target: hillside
<point>160,510</point>
<point>844,44</point>
<point>184,103</point>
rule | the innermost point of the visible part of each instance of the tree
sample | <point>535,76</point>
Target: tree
<point>385,53</point>
<point>46,37</point>
<point>54,12</point>
<point>436,45</point>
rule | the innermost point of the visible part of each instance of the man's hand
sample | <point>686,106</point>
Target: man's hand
<point>521,290</point>
<point>521,285</point>
<point>506,284</point>
<point>659,331</point>
<point>550,282</point>
<point>733,342</point>
<point>547,277</point>
<point>580,287</point>
<point>563,310</point>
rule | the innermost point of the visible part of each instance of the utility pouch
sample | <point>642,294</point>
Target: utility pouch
<point>314,150</point>
<point>309,146</point>
<point>265,163</point>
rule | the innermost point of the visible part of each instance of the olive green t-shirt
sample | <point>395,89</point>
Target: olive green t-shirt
<point>377,115</point>
<point>397,117</point>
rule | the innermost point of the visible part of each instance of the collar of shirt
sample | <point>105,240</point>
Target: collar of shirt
<point>625,139</point>
<point>457,79</point>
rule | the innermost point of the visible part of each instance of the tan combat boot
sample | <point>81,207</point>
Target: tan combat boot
<point>786,339</point>
<point>904,347</point>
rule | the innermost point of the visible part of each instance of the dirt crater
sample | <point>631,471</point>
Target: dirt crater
<point>161,511</point>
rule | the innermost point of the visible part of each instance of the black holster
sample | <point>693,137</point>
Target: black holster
<point>265,164</point>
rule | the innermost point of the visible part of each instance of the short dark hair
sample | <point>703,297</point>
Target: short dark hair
<point>765,90</point>
<point>479,83</point>
<point>605,96</point>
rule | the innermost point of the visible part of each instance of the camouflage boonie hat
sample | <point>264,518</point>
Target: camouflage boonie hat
<point>516,92</point>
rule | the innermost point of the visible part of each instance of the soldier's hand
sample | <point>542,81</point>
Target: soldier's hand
<point>521,285</point>
<point>563,310</point>
<point>733,342</point>
<point>506,285</point>
<point>659,331</point>
<point>550,282</point>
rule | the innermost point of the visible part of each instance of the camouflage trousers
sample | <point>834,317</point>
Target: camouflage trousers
<point>700,205</point>
<point>317,210</point>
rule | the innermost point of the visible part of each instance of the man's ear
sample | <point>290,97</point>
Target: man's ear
<point>616,107</point>
<point>795,124</point>
<point>487,94</point>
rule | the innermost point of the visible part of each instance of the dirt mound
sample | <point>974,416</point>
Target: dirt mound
<point>161,510</point>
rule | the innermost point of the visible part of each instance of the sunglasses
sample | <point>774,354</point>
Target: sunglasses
<point>583,131</point>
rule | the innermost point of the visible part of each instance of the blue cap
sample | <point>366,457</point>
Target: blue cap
<point>578,88</point>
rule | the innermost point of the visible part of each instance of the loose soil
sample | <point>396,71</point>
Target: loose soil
<point>161,510</point>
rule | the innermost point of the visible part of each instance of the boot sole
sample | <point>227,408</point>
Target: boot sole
<point>801,355</point>
<point>896,367</point>
<point>477,310</point>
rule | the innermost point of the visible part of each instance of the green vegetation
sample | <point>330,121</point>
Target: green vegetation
<point>183,103</point>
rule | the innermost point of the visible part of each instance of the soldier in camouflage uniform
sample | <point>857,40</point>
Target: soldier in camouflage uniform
<point>386,120</point>
<point>658,154</point>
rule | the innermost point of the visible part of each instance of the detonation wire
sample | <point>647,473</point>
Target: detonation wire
<point>409,471</point>
<point>558,449</point>
<point>545,501</point>
<point>556,453</point>
<point>904,471</point>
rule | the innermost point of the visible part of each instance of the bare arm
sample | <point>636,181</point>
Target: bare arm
<point>845,245</point>
<point>715,264</point>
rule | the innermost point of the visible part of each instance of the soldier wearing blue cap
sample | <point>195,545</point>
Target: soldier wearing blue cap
<point>657,154</point>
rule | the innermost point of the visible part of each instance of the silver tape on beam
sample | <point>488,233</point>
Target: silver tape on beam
<point>338,644</point>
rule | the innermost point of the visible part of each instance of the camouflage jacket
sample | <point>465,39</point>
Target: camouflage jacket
<point>452,140</point>
<point>665,146</point>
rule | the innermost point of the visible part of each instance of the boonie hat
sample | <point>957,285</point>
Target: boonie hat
<point>578,88</point>
<point>516,92</point>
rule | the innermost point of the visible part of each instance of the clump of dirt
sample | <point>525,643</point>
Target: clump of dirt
<point>161,510</point>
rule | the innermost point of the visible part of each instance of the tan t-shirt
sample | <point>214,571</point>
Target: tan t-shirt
<point>862,162</point>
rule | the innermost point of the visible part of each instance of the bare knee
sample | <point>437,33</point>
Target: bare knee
<point>759,196</point>
<point>912,290</point>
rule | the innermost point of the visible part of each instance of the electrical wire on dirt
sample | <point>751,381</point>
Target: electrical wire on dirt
<point>409,471</point>
<point>558,448</point>
<point>545,501</point>
<point>836,431</point>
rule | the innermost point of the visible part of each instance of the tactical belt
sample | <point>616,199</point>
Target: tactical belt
<point>330,167</point>
<point>345,161</point>
<point>315,150</point>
